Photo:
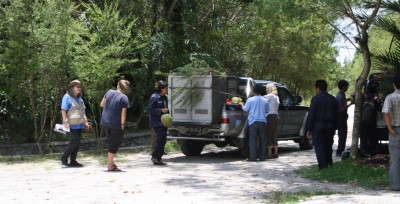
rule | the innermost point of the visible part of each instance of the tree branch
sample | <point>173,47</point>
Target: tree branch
<point>337,29</point>
<point>373,15</point>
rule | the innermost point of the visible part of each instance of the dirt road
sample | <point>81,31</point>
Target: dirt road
<point>217,176</point>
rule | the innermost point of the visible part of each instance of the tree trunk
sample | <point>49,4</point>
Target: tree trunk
<point>358,92</point>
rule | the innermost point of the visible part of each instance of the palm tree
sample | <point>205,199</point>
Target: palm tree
<point>390,59</point>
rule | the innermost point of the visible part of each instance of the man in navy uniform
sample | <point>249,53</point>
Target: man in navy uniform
<point>321,123</point>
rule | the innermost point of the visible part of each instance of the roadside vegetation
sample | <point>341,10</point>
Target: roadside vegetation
<point>295,197</point>
<point>349,171</point>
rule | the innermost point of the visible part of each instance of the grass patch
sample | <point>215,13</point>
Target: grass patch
<point>293,197</point>
<point>349,171</point>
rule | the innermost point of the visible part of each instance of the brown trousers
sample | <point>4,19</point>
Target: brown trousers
<point>272,130</point>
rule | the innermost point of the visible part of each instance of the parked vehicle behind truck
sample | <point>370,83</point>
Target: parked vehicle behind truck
<point>203,114</point>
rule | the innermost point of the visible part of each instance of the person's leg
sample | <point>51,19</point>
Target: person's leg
<point>161,140</point>
<point>363,137</point>
<point>329,143</point>
<point>253,142</point>
<point>394,150</point>
<point>153,140</point>
<point>114,142</point>
<point>263,141</point>
<point>342,134</point>
<point>74,152</point>
<point>269,128</point>
<point>274,133</point>
<point>74,140</point>
<point>110,160</point>
<point>373,140</point>
<point>319,146</point>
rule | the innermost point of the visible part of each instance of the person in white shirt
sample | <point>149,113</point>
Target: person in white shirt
<point>273,120</point>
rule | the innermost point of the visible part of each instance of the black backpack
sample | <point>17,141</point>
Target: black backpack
<point>368,113</point>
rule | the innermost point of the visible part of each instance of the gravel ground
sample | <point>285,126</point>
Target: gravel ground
<point>219,175</point>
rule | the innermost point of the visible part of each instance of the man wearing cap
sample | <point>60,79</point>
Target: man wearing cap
<point>74,118</point>
<point>158,106</point>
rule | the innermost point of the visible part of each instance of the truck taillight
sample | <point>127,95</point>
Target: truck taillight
<point>225,120</point>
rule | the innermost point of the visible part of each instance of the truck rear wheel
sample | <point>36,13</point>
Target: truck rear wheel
<point>305,143</point>
<point>190,147</point>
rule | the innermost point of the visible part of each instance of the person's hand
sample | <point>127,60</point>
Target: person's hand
<point>66,124</point>
<point>241,103</point>
<point>88,126</point>
<point>393,133</point>
<point>165,110</point>
<point>309,134</point>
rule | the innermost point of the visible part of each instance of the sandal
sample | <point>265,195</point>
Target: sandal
<point>115,168</point>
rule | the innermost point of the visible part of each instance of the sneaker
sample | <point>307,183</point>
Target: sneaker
<point>157,162</point>
<point>75,164</point>
<point>64,161</point>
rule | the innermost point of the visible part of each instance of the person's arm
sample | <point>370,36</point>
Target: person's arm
<point>153,110</point>
<point>389,125</point>
<point>64,108</point>
<point>65,118</point>
<point>103,102</point>
<point>123,117</point>
<point>311,117</point>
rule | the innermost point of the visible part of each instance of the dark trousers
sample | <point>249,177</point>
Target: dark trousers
<point>323,141</point>
<point>342,133</point>
<point>153,140</point>
<point>161,140</point>
<point>257,129</point>
<point>73,146</point>
<point>368,138</point>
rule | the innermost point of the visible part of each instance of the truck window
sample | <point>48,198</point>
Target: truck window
<point>285,97</point>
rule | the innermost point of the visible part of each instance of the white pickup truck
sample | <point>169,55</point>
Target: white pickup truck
<point>201,114</point>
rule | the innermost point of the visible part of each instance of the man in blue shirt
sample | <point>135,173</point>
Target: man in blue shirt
<point>321,123</point>
<point>257,107</point>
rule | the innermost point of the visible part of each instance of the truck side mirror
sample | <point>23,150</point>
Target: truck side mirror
<point>298,99</point>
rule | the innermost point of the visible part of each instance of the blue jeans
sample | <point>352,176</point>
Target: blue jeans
<point>394,150</point>
<point>257,129</point>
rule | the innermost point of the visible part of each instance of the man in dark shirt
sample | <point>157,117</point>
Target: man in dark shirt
<point>343,85</point>
<point>321,123</point>
<point>158,106</point>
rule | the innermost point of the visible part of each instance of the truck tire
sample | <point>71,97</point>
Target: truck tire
<point>305,143</point>
<point>190,147</point>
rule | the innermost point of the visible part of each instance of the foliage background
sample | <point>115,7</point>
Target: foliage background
<point>45,44</point>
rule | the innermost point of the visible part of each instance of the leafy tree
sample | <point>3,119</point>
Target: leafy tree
<point>36,57</point>
<point>107,46</point>
<point>362,20</point>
